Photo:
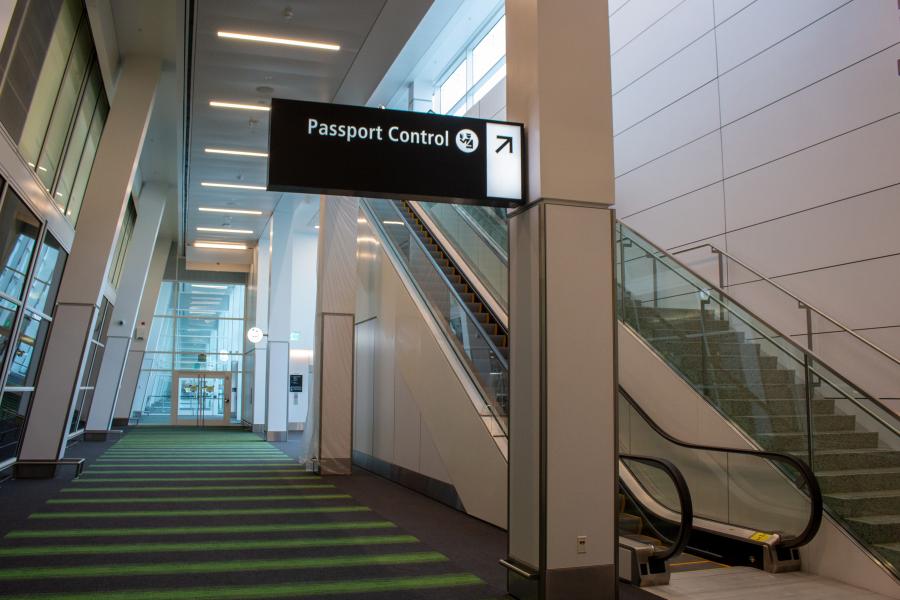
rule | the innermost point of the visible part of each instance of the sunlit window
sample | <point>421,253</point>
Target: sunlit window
<point>482,67</point>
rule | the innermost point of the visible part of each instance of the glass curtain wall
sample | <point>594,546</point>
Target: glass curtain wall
<point>31,266</point>
<point>52,98</point>
<point>197,326</point>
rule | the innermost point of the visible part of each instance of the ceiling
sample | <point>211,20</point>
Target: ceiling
<point>370,34</point>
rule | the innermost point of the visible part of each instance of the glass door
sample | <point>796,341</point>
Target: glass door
<point>201,398</point>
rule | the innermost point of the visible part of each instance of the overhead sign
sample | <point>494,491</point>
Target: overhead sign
<point>357,151</point>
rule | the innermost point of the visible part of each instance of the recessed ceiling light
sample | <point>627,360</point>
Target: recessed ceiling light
<point>265,39</point>
<point>220,245</point>
<point>223,230</point>
<point>316,226</point>
<point>238,105</point>
<point>235,186</point>
<point>235,152</point>
<point>393,222</point>
<point>232,211</point>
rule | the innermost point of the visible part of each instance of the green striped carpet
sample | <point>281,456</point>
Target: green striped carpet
<point>216,514</point>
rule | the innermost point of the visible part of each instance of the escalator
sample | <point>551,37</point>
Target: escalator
<point>657,521</point>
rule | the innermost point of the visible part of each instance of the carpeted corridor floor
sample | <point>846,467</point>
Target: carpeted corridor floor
<point>216,514</point>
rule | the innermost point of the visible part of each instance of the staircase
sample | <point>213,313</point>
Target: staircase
<point>859,475</point>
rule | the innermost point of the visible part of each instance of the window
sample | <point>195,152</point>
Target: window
<point>483,66</point>
<point>115,269</point>
<point>52,98</point>
<point>96,347</point>
<point>197,326</point>
<point>28,287</point>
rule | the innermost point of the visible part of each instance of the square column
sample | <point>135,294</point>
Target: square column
<point>84,279</point>
<point>150,208</point>
<point>278,344</point>
<point>563,389</point>
<point>330,414</point>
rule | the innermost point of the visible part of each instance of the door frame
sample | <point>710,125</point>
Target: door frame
<point>201,419</point>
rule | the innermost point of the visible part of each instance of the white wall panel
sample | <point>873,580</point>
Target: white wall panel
<point>764,23</point>
<point>674,79</point>
<point>846,231</point>
<point>407,421</point>
<point>726,9</point>
<point>803,59</point>
<point>364,387</point>
<point>430,462</point>
<point>854,163</point>
<point>685,170</point>
<point>634,17</point>
<point>692,217</point>
<point>852,98</point>
<point>662,41</point>
<point>688,119</point>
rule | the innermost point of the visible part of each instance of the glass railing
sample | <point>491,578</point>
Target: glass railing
<point>485,363</point>
<point>779,393</point>
<point>477,236</point>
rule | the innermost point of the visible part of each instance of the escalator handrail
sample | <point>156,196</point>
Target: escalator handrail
<point>487,338</point>
<point>811,483</point>
<point>686,507</point>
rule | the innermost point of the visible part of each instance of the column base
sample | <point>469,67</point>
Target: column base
<point>101,435</point>
<point>335,466</point>
<point>34,471</point>
<point>276,436</point>
<point>597,582</point>
<point>259,428</point>
<point>120,422</point>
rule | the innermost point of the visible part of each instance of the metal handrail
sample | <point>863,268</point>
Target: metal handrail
<point>686,507</point>
<point>806,352</point>
<point>498,416</point>
<point>810,482</point>
<point>803,303</point>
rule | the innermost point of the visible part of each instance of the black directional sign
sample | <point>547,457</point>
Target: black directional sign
<point>350,150</point>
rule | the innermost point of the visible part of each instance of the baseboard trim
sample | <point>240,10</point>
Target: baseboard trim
<point>443,492</point>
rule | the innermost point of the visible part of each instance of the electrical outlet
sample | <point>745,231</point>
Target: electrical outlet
<point>581,544</point>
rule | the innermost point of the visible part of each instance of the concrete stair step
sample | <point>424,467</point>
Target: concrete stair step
<point>761,391</point>
<point>693,362</point>
<point>752,376</point>
<point>754,424</point>
<point>739,407</point>
<point>709,347</point>
<point>677,334</point>
<point>863,504</point>
<point>879,529</point>
<point>891,552</point>
<point>828,440</point>
<point>859,480</point>
<point>841,460</point>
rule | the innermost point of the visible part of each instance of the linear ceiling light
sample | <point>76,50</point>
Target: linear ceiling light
<point>233,186</point>
<point>236,152</point>
<point>238,105</point>
<point>231,211</point>
<point>220,245</point>
<point>265,39</point>
<point>224,230</point>
<point>208,286</point>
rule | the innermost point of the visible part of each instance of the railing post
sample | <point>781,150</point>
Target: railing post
<point>622,269</point>
<point>809,327</point>
<point>655,288</point>
<point>808,388</point>
<point>721,281</point>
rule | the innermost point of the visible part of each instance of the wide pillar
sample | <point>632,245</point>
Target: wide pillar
<point>331,406</point>
<point>150,208</point>
<point>563,447</point>
<point>278,345</point>
<point>261,274</point>
<point>126,402</point>
<point>84,279</point>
